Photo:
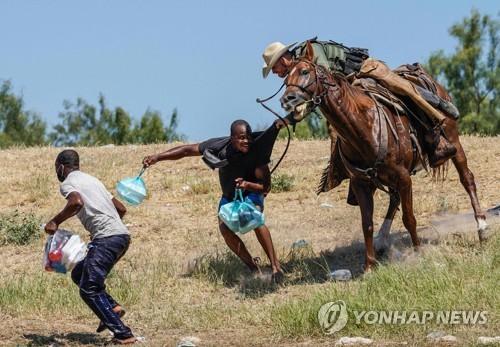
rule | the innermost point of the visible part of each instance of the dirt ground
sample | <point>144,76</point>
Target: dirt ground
<point>177,224</point>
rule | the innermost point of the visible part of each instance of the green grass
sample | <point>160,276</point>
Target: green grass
<point>282,183</point>
<point>454,277</point>
<point>18,228</point>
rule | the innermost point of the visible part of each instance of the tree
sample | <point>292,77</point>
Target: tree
<point>18,126</point>
<point>312,127</point>
<point>472,73</point>
<point>85,124</point>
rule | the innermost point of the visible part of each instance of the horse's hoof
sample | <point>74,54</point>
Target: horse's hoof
<point>483,230</point>
<point>381,245</point>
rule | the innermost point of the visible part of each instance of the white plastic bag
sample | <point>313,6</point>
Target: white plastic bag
<point>63,251</point>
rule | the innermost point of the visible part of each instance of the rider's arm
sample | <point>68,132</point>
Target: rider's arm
<point>173,154</point>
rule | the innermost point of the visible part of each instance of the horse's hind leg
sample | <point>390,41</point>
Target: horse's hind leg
<point>364,194</point>
<point>409,221</point>
<point>382,240</point>
<point>467,179</point>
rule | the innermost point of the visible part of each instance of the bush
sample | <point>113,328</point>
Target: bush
<point>281,183</point>
<point>19,229</point>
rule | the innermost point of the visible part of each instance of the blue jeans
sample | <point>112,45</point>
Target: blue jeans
<point>90,274</point>
<point>256,198</point>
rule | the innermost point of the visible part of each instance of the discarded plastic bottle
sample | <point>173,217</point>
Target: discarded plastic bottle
<point>341,275</point>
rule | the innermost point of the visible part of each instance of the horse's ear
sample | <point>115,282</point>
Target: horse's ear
<point>309,53</point>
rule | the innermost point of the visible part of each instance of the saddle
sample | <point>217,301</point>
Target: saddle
<point>335,172</point>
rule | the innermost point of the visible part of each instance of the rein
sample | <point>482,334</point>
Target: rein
<point>371,173</point>
<point>262,102</point>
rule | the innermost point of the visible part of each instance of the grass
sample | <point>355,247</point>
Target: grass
<point>17,228</point>
<point>179,278</point>
<point>446,278</point>
<point>281,183</point>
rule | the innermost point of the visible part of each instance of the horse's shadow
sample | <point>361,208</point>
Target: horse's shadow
<point>301,265</point>
<point>64,339</point>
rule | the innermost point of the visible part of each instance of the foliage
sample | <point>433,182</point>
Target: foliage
<point>18,229</point>
<point>472,73</point>
<point>18,126</point>
<point>281,183</point>
<point>84,124</point>
<point>312,127</point>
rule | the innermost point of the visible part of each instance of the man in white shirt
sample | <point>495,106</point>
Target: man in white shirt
<point>100,214</point>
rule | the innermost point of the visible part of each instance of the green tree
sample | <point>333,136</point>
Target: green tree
<point>150,129</point>
<point>472,73</point>
<point>78,125</point>
<point>312,127</point>
<point>18,126</point>
<point>84,124</point>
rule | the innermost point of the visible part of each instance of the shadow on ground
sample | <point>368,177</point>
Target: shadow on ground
<point>302,265</point>
<point>66,339</point>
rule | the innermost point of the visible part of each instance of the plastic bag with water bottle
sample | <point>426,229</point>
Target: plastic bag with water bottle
<point>132,189</point>
<point>241,215</point>
<point>63,251</point>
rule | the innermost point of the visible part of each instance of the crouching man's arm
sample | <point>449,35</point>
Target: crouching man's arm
<point>172,154</point>
<point>120,208</point>
<point>73,206</point>
<point>263,184</point>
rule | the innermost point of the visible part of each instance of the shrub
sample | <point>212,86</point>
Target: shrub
<point>282,183</point>
<point>19,229</point>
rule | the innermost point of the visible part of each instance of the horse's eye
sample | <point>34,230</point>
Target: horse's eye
<point>304,72</point>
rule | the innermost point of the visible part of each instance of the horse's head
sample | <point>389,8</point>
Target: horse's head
<point>303,86</point>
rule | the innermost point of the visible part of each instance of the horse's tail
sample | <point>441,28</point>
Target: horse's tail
<point>440,172</point>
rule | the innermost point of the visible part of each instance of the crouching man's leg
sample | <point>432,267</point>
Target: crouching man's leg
<point>103,253</point>
<point>265,240</point>
<point>237,246</point>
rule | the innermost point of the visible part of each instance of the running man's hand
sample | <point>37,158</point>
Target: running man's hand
<point>150,160</point>
<point>51,227</point>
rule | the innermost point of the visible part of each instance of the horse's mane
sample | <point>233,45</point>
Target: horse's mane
<point>354,99</point>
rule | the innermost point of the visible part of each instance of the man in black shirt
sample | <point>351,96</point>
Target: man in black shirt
<point>242,160</point>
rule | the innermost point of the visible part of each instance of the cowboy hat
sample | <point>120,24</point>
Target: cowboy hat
<point>271,54</point>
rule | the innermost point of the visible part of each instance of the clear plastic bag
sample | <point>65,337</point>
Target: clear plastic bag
<point>132,190</point>
<point>63,251</point>
<point>241,215</point>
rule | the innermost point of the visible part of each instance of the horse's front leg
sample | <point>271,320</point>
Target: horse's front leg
<point>364,194</point>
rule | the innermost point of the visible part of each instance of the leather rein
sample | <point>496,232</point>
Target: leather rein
<point>316,97</point>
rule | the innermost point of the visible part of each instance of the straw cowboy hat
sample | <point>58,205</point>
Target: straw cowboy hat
<point>272,53</point>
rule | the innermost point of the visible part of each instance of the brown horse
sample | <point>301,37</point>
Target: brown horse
<point>373,155</point>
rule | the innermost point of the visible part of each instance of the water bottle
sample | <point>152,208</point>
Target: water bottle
<point>341,275</point>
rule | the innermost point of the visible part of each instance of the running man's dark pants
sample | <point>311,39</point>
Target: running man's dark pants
<point>90,274</point>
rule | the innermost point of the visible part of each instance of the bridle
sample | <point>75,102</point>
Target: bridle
<point>320,79</point>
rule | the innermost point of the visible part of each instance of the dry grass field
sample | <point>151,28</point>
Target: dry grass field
<point>178,278</point>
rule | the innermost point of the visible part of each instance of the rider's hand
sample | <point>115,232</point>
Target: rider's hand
<point>241,183</point>
<point>51,227</point>
<point>150,160</point>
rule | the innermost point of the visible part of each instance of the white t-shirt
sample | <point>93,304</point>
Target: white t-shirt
<point>98,214</point>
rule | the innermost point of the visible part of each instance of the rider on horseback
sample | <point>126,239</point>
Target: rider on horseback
<point>355,62</point>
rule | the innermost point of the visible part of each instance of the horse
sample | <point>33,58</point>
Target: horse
<point>372,157</point>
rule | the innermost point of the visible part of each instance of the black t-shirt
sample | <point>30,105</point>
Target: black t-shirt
<point>240,164</point>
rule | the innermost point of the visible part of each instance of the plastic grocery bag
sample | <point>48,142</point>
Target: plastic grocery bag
<point>241,215</point>
<point>132,189</point>
<point>63,251</point>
